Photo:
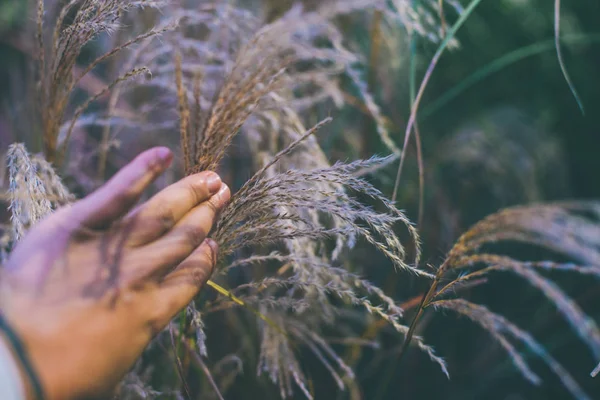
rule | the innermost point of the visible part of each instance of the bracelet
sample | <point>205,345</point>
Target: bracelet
<point>21,353</point>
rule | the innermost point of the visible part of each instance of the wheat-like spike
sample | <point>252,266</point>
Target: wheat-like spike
<point>198,324</point>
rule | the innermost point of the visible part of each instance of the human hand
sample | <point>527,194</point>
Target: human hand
<point>89,286</point>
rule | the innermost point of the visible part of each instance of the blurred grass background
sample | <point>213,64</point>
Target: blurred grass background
<point>499,127</point>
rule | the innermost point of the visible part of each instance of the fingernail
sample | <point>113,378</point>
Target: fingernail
<point>214,248</point>
<point>164,154</point>
<point>224,194</point>
<point>214,183</point>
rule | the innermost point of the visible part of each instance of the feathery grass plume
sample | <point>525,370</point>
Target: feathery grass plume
<point>560,227</point>
<point>29,199</point>
<point>336,59</point>
<point>35,190</point>
<point>306,209</point>
<point>277,358</point>
<point>273,42</point>
<point>291,207</point>
<point>309,44</point>
<point>251,220</point>
<point>570,228</point>
<point>278,361</point>
<point>250,216</point>
<point>57,60</point>
<point>272,46</point>
<point>255,74</point>
<point>327,280</point>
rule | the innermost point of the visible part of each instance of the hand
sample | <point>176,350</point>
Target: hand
<point>89,286</point>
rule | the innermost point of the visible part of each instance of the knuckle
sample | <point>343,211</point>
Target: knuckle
<point>197,269</point>
<point>200,275</point>
<point>165,219</point>
<point>125,197</point>
<point>194,235</point>
<point>198,190</point>
<point>153,223</point>
<point>194,192</point>
<point>211,252</point>
<point>221,199</point>
<point>214,205</point>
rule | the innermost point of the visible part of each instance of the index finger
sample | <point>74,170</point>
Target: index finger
<point>122,191</point>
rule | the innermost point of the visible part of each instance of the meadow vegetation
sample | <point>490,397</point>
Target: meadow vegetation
<point>356,233</point>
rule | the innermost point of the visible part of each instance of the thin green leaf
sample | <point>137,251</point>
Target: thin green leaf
<point>499,64</point>
<point>559,55</point>
<point>413,115</point>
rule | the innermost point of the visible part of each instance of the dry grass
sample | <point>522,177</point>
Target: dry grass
<point>57,59</point>
<point>226,80</point>
<point>567,228</point>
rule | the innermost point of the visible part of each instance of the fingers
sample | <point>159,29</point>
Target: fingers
<point>189,233</point>
<point>121,192</point>
<point>180,286</point>
<point>166,208</point>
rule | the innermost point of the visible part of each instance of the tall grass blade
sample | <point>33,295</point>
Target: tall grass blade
<point>413,114</point>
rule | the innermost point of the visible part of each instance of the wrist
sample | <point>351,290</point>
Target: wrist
<point>15,383</point>
<point>19,354</point>
<point>41,379</point>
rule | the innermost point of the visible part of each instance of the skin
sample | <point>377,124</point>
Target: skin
<point>88,288</point>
